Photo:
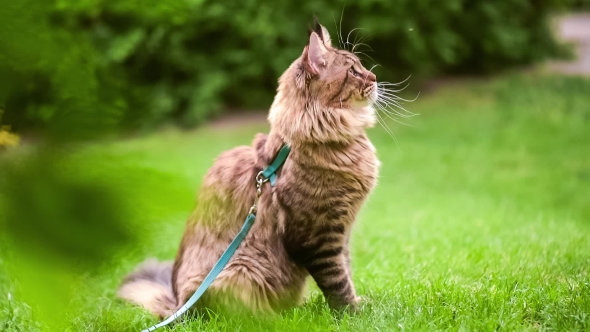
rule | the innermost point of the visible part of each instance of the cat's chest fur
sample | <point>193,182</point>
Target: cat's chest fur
<point>327,184</point>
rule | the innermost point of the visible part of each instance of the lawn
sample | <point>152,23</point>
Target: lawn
<point>480,221</point>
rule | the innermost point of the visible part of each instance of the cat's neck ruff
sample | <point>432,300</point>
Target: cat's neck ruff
<point>320,125</point>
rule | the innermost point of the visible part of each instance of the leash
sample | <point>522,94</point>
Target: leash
<point>266,175</point>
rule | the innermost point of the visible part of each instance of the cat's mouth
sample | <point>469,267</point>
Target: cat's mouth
<point>369,95</point>
<point>367,98</point>
<point>374,95</point>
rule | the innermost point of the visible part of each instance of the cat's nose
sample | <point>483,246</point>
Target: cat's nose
<point>371,77</point>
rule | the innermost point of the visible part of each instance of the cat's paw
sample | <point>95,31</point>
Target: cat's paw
<point>354,307</point>
<point>350,306</point>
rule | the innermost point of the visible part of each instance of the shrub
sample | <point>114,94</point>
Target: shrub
<point>94,65</point>
<point>580,4</point>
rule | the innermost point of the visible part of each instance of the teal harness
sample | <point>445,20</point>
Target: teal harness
<point>266,175</point>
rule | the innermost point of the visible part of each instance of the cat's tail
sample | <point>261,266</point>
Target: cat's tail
<point>150,286</point>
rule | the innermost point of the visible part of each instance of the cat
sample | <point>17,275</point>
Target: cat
<point>321,110</point>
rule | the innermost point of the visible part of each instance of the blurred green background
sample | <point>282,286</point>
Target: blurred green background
<point>105,136</point>
<point>138,64</point>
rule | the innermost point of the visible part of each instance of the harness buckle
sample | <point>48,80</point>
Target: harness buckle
<point>260,179</point>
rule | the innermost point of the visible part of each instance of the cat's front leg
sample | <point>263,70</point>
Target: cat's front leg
<point>323,254</point>
<point>321,247</point>
<point>333,279</point>
<point>346,251</point>
<point>329,267</point>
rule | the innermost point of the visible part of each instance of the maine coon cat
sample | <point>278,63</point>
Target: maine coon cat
<point>321,110</point>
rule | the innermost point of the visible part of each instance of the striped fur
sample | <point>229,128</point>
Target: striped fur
<point>322,108</point>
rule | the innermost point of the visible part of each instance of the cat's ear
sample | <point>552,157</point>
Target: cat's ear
<point>326,37</point>
<point>322,32</point>
<point>316,54</point>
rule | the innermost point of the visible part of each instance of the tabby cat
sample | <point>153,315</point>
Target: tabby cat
<point>321,110</point>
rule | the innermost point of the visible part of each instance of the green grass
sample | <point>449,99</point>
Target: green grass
<point>480,221</point>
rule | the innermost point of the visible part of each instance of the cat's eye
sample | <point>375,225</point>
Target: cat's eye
<point>353,72</point>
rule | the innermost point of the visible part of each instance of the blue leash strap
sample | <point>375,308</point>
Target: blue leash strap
<point>268,174</point>
<point>271,171</point>
<point>221,263</point>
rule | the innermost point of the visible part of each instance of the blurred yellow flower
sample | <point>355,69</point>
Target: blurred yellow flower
<point>8,139</point>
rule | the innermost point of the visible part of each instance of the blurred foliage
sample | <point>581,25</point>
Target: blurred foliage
<point>57,224</point>
<point>82,67</point>
<point>50,207</point>
<point>579,4</point>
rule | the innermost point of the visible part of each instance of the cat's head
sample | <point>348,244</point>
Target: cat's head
<point>326,95</point>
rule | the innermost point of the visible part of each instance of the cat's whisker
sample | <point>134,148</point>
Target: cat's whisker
<point>359,43</point>
<point>392,116</point>
<point>390,102</point>
<point>339,29</point>
<point>351,31</point>
<point>397,87</point>
<point>400,99</point>
<point>396,97</point>
<point>385,111</point>
<point>392,84</point>
<point>371,70</point>
<point>394,92</point>
<point>396,115</point>
<point>356,37</point>
<point>399,83</point>
<point>385,89</point>
<point>355,45</point>
<point>390,88</point>
<point>337,33</point>
<point>368,46</point>
<point>398,106</point>
<point>385,107</point>
<point>388,92</point>
<point>365,54</point>
<point>341,37</point>
<point>389,85</point>
<point>386,128</point>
